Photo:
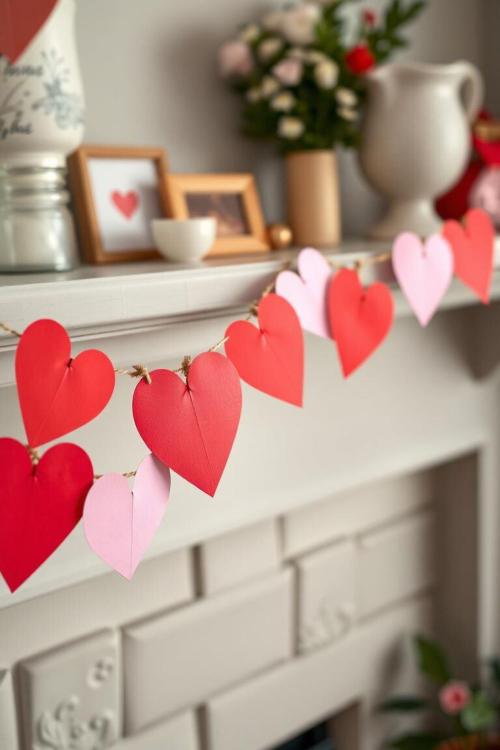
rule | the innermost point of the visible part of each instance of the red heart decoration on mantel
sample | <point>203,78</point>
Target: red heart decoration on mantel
<point>20,21</point>
<point>270,357</point>
<point>58,394</point>
<point>360,318</point>
<point>126,203</point>
<point>190,426</point>
<point>473,248</point>
<point>39,505</point>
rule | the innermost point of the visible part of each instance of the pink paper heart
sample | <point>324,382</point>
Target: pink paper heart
<point>120,524</point>
<point>307,293</point>
<point>424,272</point>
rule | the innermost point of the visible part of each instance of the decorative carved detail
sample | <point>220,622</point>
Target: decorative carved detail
<point>62,730</point>
<point>100,672</point>
<point>333,620</point>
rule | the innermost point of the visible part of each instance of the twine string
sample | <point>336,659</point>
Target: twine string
<point>10,330</point>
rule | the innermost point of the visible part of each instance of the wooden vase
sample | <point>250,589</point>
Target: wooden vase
<point>313,198</point>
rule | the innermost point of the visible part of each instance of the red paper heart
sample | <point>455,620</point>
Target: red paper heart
<point>473,247</point>
<point>20,21</point>
<point>359,318</point>
<point>191,426</point>
<point>271,357</point>
<point>126,203</point>
<point>57,393</point>
<point>39,505</point>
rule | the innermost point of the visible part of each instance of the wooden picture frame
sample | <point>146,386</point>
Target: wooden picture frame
<point>105,219</point>
<point>237,193</point>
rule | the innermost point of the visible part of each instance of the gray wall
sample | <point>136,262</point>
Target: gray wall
<point>150,78</point>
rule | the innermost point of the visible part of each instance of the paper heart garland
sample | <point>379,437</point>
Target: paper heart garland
<point>270,357</point>
<point>126,203</point>
<point>58,394</point>
<point>39,505</point>
<point>120,524</point>
<point>191,426</point>
<point>360,318</point>
<point>20,22</point>
<point>473,248</point>
<point>424,272</point>
<point>307,293</point>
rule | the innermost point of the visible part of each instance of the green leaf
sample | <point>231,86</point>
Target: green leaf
<point>432,660</point>
<point>416,742</point>
<point>479,714</point>
<point>404,703</point>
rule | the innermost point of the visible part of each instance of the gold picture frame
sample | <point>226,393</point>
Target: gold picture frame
<point>233,200</point>
<point>103,216</point>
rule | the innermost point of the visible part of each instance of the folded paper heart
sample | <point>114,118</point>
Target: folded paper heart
<point>20,21</point>
<point>58,394</point>
<point>360,318</point>
<point>190,426</point>
<point>120,524</point>
<point>307,293</point>
<point>126,203</point>
<point>39,504</point>
<point>473,248</point>
<point>270,357</point>
<point>424,272</point>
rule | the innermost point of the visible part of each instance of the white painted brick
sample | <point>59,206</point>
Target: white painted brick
<point>327,595</point>
<point>238,557</point>
<point>178,733</point>
<point>43,623</point>
<point>177,660</point>
<point>355,511</point>
<point>73,690</point>
<point>396,562</point>
<point>280,704</point>
<point>8,727</point>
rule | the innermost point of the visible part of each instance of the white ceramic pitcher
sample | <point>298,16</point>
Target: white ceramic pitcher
<point>416,138</point>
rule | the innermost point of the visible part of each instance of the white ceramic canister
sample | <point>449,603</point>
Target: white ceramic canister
<point>41,121</point>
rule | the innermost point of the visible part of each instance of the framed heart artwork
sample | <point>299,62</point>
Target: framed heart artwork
<point>116,193</point>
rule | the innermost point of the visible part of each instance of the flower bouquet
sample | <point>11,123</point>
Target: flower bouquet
<point>299,72</point>
<point>467,717</point>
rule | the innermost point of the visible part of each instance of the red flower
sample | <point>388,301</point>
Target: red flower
<point>454,696</point>
<point>360,59</point>
<point>369,18</point>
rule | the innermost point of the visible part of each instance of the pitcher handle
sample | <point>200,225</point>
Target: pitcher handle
<point>472,88</point>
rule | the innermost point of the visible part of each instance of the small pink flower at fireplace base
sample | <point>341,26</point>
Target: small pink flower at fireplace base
<point>454,697</point>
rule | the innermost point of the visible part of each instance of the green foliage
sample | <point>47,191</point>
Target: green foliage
<point>494,665</point>
<point>404,703</point>
<point>416,742</point>
<point>479,714</point>
<point>432,660</point>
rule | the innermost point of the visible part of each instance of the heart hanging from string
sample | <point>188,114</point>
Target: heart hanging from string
<point>424,272</point>
<point>20,22</point>
<point>57,393</point>
<point>360,318</point>
<point>306,291</point>
<point>473,249</point>
<point>270,357</point>
<point>190,426</point>
<point>39,504</point>
<point>120,524</point>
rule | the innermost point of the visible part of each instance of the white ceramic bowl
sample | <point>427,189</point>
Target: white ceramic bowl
<point>184,240</point>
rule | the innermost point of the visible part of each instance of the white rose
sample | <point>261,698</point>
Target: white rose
<point>269,48</point>
<point>290,128</point>
<point>326,74</point>
<point>348,114</point>
<point>269,86</point>
<point>299,23</point>
<point>235,59</point>
<point>297,53</point>
<point>283,102</point>
<point>289,71</point>
<point>253,95</point>
<point>346,97</point>
<point>273,21</point>
<point>313,56</point>
<point>250,33</point>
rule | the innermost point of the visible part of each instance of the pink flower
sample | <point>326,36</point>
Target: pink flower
<point>454,696</point>
<point>289,71</point>
<point>235,59</point>
<point>369,18</point>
